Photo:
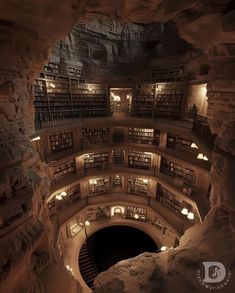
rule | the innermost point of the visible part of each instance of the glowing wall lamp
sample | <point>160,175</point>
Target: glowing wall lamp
<point>190,216</point>
<point>184,211</point>
<point>35,138</point>
<point>59,197</point>
<point>205,158</point>
<point>193,146</point>
<point>200,156</point>
<point>163,248</point>
<point>63,193</point>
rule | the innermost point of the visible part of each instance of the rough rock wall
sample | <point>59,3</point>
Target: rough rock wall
<point>28,30</point>
<point>107,50</point>
<point>27,33</point>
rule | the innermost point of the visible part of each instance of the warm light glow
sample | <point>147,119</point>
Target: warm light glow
<point>205,158</point>
<point>203,90</point>
<point>51,85</point>
<point>146,153</point>
<point>69,268</point>
<point>184,211</point>
<point>117,176</point>
<point>117,210</point>
<point>190,216</point>
<point>136,216</point>
<point>63,193</point>
<point>194,146</point>
<point>145,180</point>
<point>90,89</point>
<point>115,97</point>
<point>35,139</point>
<point>87,223</point>
<point>92,181</point>
<point>163,248</point>
<point>58,197</point>
<point>200,156</point>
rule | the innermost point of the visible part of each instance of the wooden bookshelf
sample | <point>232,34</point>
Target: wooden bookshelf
<point>170,200</point>
<point>148,136</point>
<point>118,156</point>
<point>96,160</point>
<point>168,74</point>
<point>74,71</point>
<point>65,168</point>
<point>169,100</point>
<point>41,102</point>
<point>73,194</point>
<point>118,181</point>
<point>139,160</point>
<point>60,98</point>
<point>93,136</point>
<point>61,141</point>
<point>137,186</point>
<point>175,170</point>
<point>143,100</point>
<point>98,213</point>
<point>90,99</point>
<point>178,142</point>
<point>99,186</point>
<point>51,68</point>
<point>137,213</point>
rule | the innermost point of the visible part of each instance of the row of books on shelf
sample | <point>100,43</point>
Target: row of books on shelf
<point>170,168</point>
<point>173,141</point>
<point>141,98</point>
<point>61,140</point>
<point>97,213</point>
<point>170,200</point>
<point>70,194</point>
<point>64,169</point>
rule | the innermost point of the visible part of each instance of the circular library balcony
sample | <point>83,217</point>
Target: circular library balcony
<point>76,236</point>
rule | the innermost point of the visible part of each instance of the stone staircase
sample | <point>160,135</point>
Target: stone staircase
<point>87,267</point>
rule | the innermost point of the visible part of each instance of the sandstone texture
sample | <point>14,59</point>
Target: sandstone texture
<point>29,29</point>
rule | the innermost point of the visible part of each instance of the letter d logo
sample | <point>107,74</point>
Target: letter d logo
<point>214,272</point>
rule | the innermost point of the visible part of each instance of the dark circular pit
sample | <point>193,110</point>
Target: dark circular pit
<point>110,245</point>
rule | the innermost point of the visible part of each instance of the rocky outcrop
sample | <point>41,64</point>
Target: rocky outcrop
<point>106,50</point>
<point>27,33</point>
<point>28,30</point>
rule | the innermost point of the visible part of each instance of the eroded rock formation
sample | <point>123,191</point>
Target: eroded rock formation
<point>28,31</point>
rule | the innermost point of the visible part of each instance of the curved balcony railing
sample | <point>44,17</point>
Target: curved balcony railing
<point>194,196</point>
<point>63,117</point>
<point>176,223</point>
